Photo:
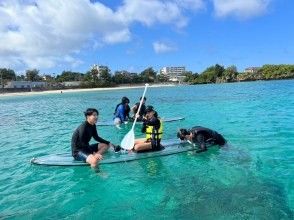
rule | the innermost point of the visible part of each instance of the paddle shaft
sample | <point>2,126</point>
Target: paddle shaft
<point>141,102</point>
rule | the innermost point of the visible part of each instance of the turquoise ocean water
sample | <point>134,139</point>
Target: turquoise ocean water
<point>252,178</point>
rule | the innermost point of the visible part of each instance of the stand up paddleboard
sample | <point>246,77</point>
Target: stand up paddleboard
<point>66,159</point>
<point>111,123</point>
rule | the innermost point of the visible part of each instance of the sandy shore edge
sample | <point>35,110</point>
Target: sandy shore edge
<point>80,90</point>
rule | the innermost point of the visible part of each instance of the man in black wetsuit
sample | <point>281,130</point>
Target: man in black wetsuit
<point>201,136</point>
<point>81,149</point>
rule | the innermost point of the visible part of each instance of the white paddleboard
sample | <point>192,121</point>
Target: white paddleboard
<point>66,159</point>
<point>111,123</point>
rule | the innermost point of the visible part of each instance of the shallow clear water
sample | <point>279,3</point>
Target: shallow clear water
<point>250,179</point>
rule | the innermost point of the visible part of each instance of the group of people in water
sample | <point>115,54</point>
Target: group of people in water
<point>152,127</point>
<point>122,111</point>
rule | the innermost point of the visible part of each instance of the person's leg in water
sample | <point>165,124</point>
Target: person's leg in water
<point>98,150</point>
<point>117,122</point>
<point>86,157</point>
<point>93,159</point>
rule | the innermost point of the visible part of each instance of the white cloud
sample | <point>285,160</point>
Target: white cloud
<point>40,33</point>
<point>240,8</point>
<point>160,47</point>
<point>44,32</point>
<point>149,12</point>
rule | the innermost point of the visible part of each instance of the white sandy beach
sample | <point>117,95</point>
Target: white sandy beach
<point>80,90</point>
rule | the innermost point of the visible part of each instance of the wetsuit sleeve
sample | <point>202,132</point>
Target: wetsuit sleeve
<point>127,111</point>
<point>97,138</point>
<point>144,126</point>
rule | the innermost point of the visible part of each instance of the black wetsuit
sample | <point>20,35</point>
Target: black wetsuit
<point>202,136</point>
<point>155,140</point>
<point>81,138</point>
<point>127,111</point>
<point>142,111</point>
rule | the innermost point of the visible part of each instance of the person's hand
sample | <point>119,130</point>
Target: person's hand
<point>137,115</point>
<point>98,156</point>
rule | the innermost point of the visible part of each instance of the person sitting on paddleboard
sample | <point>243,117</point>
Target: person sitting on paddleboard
<point>201,136</point>
<point>81,149</point>
<point>142,110</point>
<point>152,127</point>
<point>122,111</point>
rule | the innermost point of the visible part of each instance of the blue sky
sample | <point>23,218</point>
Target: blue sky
<point>55,35</point>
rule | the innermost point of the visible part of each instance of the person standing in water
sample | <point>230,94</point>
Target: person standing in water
<point>122,111</point>
<point>201,136</point>
<point>81,149</point>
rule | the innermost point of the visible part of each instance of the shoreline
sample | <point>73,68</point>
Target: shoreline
<point>61,91</point>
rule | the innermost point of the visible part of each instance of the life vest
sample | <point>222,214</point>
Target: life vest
<point>153,133</point>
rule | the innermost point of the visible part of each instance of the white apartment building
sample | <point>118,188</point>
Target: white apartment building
<point>174,73</point>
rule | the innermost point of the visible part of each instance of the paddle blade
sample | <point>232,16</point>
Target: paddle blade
<point>129,140</point>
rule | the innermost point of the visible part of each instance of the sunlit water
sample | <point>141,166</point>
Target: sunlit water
<point>250,179</point>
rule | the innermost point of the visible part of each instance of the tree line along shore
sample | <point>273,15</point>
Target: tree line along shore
<point>104,78</point>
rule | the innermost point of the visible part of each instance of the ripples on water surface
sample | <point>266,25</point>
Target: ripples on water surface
<point>252,178</point>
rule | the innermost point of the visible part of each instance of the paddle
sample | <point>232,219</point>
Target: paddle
<point>128,141</point>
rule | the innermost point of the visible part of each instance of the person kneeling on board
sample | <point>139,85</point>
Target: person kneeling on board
<point>81,149</point>
<point>201,136</point>
<point>122,112</point>
<point>152,126</point>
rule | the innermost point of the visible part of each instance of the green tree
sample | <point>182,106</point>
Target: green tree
<point>6,75</point>
<point>121,77</point>
<point>105,77</point>
<point>94,73</point>
<point>190,77</point>
<point>230,74</point>
<point>33,75</point>
<point>69,76</point>
<point>21,78</point>
<point>162,78</point>
<point>211,74</point>
<point>148,75</point>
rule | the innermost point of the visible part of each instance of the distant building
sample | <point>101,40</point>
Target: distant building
<point>72,83</point>
<point>47,78</point>
<point>251,70</point>
<point>174,73</point>
<point>25,84</point>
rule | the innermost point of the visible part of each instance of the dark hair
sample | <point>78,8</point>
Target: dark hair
<point>149,108</point>
<point>144,98</point>
<point>90,111</point>
<point>182,133</point>
<point>125,100</point>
